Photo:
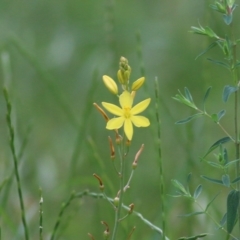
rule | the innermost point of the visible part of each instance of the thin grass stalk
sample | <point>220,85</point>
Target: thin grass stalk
<point>81,129</point>
<point>140,55</point>
<point>160,160</point>
<point>15,160</point>
<point>62,210</point>
<point>41,216</point>
<point>235,76</point>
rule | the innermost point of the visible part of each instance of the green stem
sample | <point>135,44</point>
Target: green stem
<point>15,160</point>
<point>41,216</point>
<point>160,161</point>
<point>236,127</point>
<point>62,210</point>
<point>121,191</point>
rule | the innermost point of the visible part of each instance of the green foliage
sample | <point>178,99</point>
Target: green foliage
<point>202,235</point>
<point>227,91</point>
<point>232,208</point>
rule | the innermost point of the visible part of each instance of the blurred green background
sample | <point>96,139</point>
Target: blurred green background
<point>53,56</point>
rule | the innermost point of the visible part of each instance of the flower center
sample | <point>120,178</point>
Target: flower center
<point>127,112</point>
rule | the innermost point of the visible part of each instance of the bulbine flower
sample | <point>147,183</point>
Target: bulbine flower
<point>127,115</point>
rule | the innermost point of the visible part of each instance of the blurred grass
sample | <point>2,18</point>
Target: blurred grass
<point>58,51</point>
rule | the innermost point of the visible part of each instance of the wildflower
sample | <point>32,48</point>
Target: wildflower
<point>127,115</point>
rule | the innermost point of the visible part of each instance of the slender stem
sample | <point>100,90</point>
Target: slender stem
<point>160,160</point>
<point>41,216</point>
<point>236,127</point>
<point>121,192</point>
<point>15,160</point>
<point>129,180</point>
<point>62,210</point>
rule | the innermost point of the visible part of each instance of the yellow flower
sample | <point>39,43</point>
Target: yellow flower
<point>127,115</point>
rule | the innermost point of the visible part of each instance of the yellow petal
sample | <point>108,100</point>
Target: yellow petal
<point>113,109</point>
<point>140,121</point>
<point>138,83</point>
<point>126,100</point>
<point>128,129</point>
<point>115,123</point>
<point>110,84</point>
<point>140,107</point>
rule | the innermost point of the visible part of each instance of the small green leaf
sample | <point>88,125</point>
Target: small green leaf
<point>3,183</point>
<point>194,237</point>
<point>227,18</point>
<point>188,95</point>
<point>223,220</point>
<point>205,97</point>
<point>219,7</point>
<point>226,180</point>
<point>210,32</point>
<point>227,91</point>
<point>212,45</point>
<point>221,114</point>
<point>212,180</point>
<point>179,186</point>
<point>187,100</point>
<point>189,177</point>
<point>225,156</point>
<point>216,144</point>
<point>191,214</point>
<point>214,117</point>
<point>216,165</point>
<point>236,180</point>
<point>208,205</point>
<point>198,30</point>
<point>223,64</point>
<point>197,191</point>
<point>231,163</point>
<point>232,206</point>
<point>186,120</point>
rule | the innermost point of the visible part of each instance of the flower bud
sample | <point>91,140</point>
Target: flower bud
<point>124,71</point>
<point>120,77</point>
<point>110,84</point>
<point>138,83</point>
<point>116,201</point>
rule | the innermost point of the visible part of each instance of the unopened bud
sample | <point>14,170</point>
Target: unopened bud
<point>116,201</point>
<point>112,150</point>
<point>101,186</point>
<point>138,83</point>
<point>118,139</point>
<point>128,143</point>
<point>106,233</point>
<point>134,164</point>
<point>110,84</point>
<point>120,77</point>
<point>91,236</point>
<point>131,206</point>
<point>105,116</point>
